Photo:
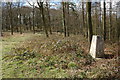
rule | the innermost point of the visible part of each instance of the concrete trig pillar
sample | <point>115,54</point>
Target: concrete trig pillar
<point>97,47</point>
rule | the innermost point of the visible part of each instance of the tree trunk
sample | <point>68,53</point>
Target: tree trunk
<point>100,23</point>
<point>64,22</point>
<point>68,27</point>
<point>118,28</point>
<point>89,22</point>
<point>11,23</point>
<point>43,17</point>
<point>110,21</point>
<point>18,16</point>
<point>20,24</point>
<point>97,21</point>
<point>104,21</point>
<point>33,19</point>
<point>29,23</point>
<point>19,21</point>
<point>83,16</point>
<point>49,23</point>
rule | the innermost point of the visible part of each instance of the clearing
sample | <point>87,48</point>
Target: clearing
<point>35,56</point>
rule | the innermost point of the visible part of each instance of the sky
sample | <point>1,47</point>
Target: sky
<point>54,2</point>
<point>60,0</point>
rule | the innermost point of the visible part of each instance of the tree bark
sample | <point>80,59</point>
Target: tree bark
<point>104,21</point>
<point>19,21</point>
<point>83,17</point>
<point>100,23</point>
<point>64,21</point>
<point>68,27</point>
<point>18,12</point>
<point>20,24</point>
<point>97,21</point>
<point>33,18</point>
<point>49,23</point>
<point>110,21</point>
<point>11,23</point>
<point>89,22</point>
<point>43,17</point>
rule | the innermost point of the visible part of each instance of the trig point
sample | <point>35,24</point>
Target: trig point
<point>97,47</point>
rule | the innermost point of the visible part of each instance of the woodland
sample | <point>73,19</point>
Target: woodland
<point>50,39</point>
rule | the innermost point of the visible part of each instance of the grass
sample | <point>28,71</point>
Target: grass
<point>35,56</point>
<point>8,42</point>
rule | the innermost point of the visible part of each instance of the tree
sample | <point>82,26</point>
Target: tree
<point>110,20</point>
<point>89,21</point>
<point>96,18</point>
<point>118,20</point>
<point>48,13</point>
<point>19,17</point>
<point>64,21</point>
<point>68,27</point>
<point>83,17</point>
<point>1,22</point>
<point>33,17</point>
<point>10,15</point>
<point>100,23</point>
<point>33,6</point>
<point>104,20</point>
<point>41,8</point>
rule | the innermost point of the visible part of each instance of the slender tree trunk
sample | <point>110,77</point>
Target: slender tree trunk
<point>104,21</point>
<point>20,24</point>
<point>100,23</point>
<point>83,16</point>
<point>97,21</point>
<point>29,23</point>
<point>68,27</point>
<point>33,19</point>
<point>118,28</point>
<point>43,17</point>
<point>42,25</point>
<point>49,23</point>
<point>86,23</point>
<point>110,21</point>
<point>18,16</point>
<point>1,28</point>
<point>64,22</point>
<point>11,23</point>
<point>19,21</point>
<point>89,22</point>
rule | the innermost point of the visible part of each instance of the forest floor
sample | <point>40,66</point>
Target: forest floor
<point>35,56</point>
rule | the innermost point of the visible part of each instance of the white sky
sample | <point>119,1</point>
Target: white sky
<point>60,0</point>
<point>55,1</point>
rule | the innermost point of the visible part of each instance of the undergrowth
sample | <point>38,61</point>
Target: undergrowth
<point>56,57</point>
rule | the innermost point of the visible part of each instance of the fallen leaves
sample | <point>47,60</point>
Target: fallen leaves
<point>56,57</point>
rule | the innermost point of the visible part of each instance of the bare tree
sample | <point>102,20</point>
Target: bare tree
<point>83,18</point>
<point>100,22</point>
<point>89,22</point>
<point>49,22</point>
<point>68,15</point>
<point>10,15</point>
<point>104,20</point>
<point>110,20</point>
<point>41,8</point>
<point>64,21</point>
<point>19,17</point>
<point>33,6</point>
